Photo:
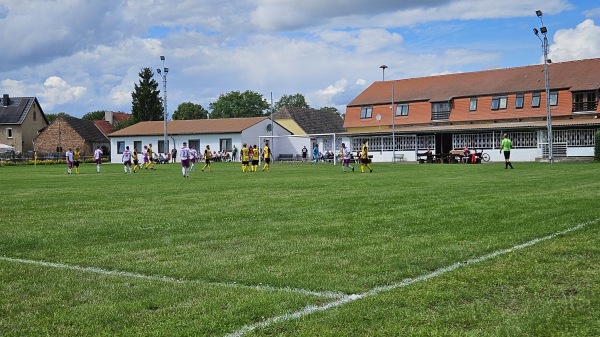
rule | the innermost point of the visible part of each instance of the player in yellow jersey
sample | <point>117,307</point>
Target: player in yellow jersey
<point>76,159</point>
<point>136,162</point>
<point>245,156</point>
<point>207,157</point>
<point>267,157</point>
<point>364,158</point>
<point>150,158</point>
<point>255,154</point>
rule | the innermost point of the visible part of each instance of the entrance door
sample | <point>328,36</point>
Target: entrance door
<point>443,143</point>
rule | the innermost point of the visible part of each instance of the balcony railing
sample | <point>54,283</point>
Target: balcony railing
<point>440,115</point>
<point>585,106</point>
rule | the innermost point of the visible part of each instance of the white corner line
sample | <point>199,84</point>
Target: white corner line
<point>406,282</point>
<point>95,270</point>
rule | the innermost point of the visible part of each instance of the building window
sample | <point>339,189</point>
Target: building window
<point>34,115</point>
<point>194,143</point>
<point>554,98</point>
<point>535,100</point>
<point>137,145</point>
<point>226,144</point>
<point>440,110</point>
<point>161,146</point>
<point>402,110</point>
<point>9,133</point>
<point>120,147</point>
<point>519,101</point>
<point>366,112</point>
<point>585,101</point>
<point>473,104</point>
<point>499,102</point>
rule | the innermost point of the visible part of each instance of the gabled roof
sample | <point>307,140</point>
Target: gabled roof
<point>120,116</point>
<point>573,75</point>
<point>86,129</point>
<point>104,126</point>
<point>17,110</point>
<point>312,121</point>
<point>192,126</point>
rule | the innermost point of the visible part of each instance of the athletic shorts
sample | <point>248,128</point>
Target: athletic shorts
<point>185,163</point>
<point>506,154</point>
<point>245,162</point>
<point>254,162</point>
<point>99,161</point>
<point>268,160</point>
<point>364,160</point>
<point>207,161</point>
<point>76,163</point>
<point>127,163</point>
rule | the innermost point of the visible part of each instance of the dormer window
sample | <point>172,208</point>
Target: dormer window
<point>366,112</point>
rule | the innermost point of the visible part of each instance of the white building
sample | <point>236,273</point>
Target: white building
<point>218,134</point>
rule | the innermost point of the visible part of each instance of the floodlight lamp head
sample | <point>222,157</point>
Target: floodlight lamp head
<point>536,31</point>
<point>539,13</point>
<point>158,70</point>
<point>383,66</point>
<point>162,58</point>
<point>166,70</point>
<point>543,30</point>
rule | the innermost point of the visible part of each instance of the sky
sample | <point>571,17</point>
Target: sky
<point>78,56</point>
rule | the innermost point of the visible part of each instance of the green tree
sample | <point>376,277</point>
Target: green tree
<point>93,115</point>
<point>190,110</point>
<point>51,117</point>
<point>235,104</point>
<point>146,101</point>
<point>297,101</point>
<point>331,109</point>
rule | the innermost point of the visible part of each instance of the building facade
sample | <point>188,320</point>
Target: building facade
<point>21,119</point>
<point>475,109</point>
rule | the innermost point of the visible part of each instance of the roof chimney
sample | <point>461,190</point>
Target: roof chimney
<point>5,100</point>
<point>108,116</point>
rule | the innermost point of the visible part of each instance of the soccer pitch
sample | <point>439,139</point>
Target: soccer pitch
<point>302,250</point>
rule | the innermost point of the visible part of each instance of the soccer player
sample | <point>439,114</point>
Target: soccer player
<point>245,156</point>
<point>267,157</point>
<point>207,157</point>
<point>345,154</point>
<point>184,153</point>
<point>506,146</point>
<point>69,155</point>
<point>193,156</point>
<point>76,159</point>
<point>255,154</point>
<point>364,158</point>
<point>98,158</point>
<point>136,163</point>
<point>150,155</point>
<point>127,159</point>
<point>315,155</point>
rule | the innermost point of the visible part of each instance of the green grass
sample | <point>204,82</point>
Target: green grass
<point>232,247</point>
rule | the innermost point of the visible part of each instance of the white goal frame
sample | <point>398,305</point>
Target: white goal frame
<point>309,136</point>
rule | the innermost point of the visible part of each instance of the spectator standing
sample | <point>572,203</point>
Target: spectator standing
<point>506,146</point>
<point>174,155</point>
<point>304,153</point>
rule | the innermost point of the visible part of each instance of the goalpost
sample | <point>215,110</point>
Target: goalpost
<point>292,144</point>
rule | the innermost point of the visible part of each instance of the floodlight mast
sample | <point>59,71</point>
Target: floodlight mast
<point>544,32</point>
<point>163,74</point>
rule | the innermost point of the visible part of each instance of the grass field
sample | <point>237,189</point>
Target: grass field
<point>408,250</point>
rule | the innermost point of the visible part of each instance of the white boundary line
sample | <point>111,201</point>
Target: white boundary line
<point>327,294</point>
<point>406,282</point>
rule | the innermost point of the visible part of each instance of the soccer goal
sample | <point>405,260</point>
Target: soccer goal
<point>290,146</point>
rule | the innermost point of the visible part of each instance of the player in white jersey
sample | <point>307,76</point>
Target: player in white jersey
<point>346,158</point>
<point>193,157</point>
<point>98,158</point>
<point>127,159</point>
<point>69,155</point>
<point>184,155</point>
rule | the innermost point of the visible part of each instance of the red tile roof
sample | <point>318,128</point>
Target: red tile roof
<point>573,75</point>
<point>193,126</point>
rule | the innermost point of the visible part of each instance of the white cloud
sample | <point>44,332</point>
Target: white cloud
<point>578,43</point>
<point>57,91</point>
<point>593,12</point>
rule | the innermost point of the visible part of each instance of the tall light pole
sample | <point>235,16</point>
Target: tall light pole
<point>163,74</point>
<point>544,32</point>
<point>383,67</point>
